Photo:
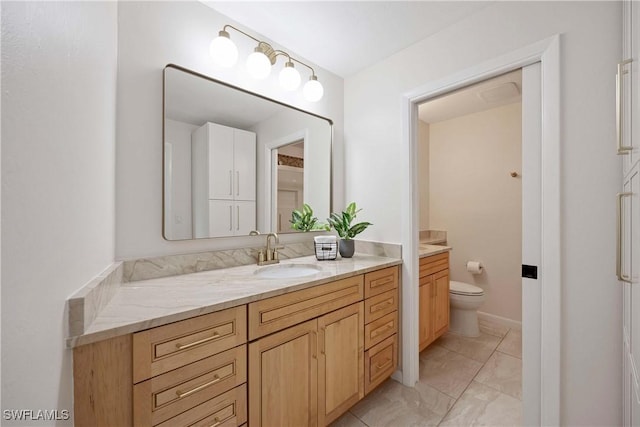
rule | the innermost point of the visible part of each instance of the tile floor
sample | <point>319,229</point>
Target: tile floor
<point>463,382</point>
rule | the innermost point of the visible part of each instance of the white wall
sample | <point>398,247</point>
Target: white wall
<point>590,49</point>
<point>474,198</point>
<point>151,35</point>
<point>178,220</point>
<point>58,149</point>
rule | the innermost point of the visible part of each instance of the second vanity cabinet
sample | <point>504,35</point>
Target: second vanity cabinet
<point>299,359</point>
<point>433,298</point>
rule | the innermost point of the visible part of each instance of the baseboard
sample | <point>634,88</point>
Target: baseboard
<point>503,321</point>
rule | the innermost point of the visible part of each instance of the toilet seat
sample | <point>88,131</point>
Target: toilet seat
<point>461,288</point>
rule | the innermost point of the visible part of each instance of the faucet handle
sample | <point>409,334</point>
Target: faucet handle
<point>276,257</point>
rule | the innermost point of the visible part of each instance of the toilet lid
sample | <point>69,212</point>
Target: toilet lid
<point>461,288</point>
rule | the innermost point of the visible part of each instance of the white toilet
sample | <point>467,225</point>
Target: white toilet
<point>465,299</point>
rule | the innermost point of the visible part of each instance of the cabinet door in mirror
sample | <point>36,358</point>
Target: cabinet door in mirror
<point>236,162</point>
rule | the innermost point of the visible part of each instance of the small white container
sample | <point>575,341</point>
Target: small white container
<point>326,247</point>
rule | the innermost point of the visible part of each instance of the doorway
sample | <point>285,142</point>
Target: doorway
<point>470,196</point>
<point>289,183</point>
<point>541,231</point>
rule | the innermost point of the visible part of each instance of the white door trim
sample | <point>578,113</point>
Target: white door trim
<point>548,53</point>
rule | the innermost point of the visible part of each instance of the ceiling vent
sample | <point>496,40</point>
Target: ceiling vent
<point>500,93</point>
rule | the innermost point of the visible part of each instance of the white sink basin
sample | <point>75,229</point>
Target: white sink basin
<point>287,271</point>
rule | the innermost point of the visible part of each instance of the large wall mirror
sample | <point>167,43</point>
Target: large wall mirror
<point>237,163</point>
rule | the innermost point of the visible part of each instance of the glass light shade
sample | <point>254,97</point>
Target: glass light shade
<point>313,90</point>
<point>223,51</point>
<point>258,65</point>
<point>289,77</point>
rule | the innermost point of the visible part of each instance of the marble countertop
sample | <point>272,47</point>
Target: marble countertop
<point>432,240</point>
<point>428,250</point>
<point>149,303</point>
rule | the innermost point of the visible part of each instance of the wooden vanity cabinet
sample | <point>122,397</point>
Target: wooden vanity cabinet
<point>283,374</point>
<point>184,373</point>
<point>340,361</point>
<point>433,298</point>
<point>311,373</point>
<point>381,328</point>
<point>298,359</point>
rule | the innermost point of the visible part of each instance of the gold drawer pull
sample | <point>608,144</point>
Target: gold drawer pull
<point>185,346</point>
<point>382,365</point>
<point>217,421</point>
<point>382,305</point>
<point>181,394</point>
<point>382,330</point>
<point>382,281</point>
<point>622,149</point>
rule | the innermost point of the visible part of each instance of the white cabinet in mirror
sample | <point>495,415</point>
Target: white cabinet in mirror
<point>236,162</point>
<point>223,181</point>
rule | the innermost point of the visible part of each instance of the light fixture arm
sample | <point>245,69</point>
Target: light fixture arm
<point>240,31</point>
<point>292,59</point>
<point>313,89</point>
<point>277,52</point>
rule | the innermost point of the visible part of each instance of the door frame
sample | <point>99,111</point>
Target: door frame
<point>547,52</point>
<point>270,176</point>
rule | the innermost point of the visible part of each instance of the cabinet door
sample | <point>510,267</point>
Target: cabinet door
<point>221,214</point>
<point>244,163</point>
<point>245,217</point>
<point>283,373</point>
<point>220,161</point>
<point>340,362</point>
<point>631,294</point>
<point>441,304</point>
<point>426,311</point>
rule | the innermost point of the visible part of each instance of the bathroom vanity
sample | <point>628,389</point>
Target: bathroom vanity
<point>434,293</point>
<point>291,351</point>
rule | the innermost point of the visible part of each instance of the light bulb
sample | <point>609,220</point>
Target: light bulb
<point>223,51</point>
<point>289,77</point>
<point>313,90</point>
<point>258,65</point>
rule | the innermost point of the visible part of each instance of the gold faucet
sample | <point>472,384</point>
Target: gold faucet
<point>271,256</point>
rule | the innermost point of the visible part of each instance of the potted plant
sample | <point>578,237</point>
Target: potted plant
<point>342,224</point>
<point>305,221</point>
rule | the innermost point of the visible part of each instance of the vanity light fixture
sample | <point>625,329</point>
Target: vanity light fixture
<point>259,63</point>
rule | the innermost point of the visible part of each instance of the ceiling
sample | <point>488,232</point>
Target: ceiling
<point>496,92</point>
<point>346,37</point>
<point>196,100</point>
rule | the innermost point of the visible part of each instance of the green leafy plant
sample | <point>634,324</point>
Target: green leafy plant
<point>305,221</point>
<point>342,222</point>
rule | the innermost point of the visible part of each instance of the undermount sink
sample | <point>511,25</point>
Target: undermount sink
<point>287,271</point>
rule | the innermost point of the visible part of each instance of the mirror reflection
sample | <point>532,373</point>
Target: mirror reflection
<point>236,163</point>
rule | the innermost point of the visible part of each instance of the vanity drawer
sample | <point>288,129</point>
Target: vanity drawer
<point>277,313</point>
<point>167,395</point>
<point>380,305</point>
<point>380,281</point>
<point>380,329</point>
<point>227,410</point>
<point>380,362</point>
<point>433,264</point>
<point>161,349</point>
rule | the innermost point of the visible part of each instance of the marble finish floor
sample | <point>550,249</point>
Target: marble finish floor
<point>463,382</point>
